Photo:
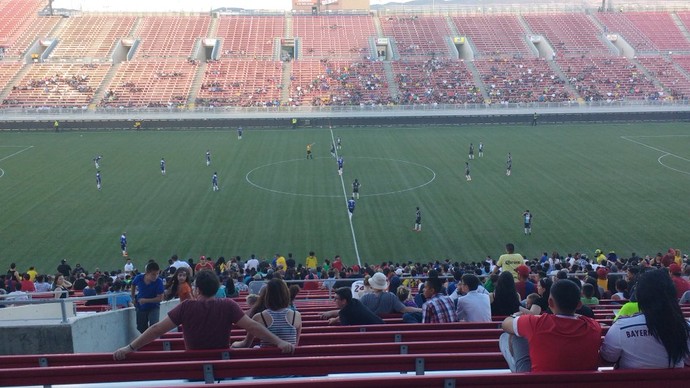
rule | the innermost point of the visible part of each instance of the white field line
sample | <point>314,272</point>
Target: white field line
<point>352,228</point>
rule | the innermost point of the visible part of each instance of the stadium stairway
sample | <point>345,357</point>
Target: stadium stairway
<point>197,82</point>
<point>287,82</point>
<point>556,69</point>
<point>477,78</point>
<point>392,82</point>
<point>103,87</point>
<point>644,71</point>
<point>13,81</point>
<point>680,25</point>
<point>377,26</point>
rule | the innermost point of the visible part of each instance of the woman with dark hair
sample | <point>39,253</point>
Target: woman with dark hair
<point>180,285</point>
<point>278,318</point>
<point>541,306</point>
<point>220,266</point>
<point>656,337</point>
<point>505,300</point>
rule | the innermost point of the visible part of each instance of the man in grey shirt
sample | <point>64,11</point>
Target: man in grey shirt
<point>381,301</point>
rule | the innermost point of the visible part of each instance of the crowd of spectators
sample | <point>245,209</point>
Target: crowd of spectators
<point>436,81</point>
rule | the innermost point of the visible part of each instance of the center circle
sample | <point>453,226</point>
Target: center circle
<point>291,168</point>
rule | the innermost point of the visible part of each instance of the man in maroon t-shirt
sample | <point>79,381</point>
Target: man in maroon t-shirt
<point>562,341</point>
<point>203,264</point>
<point>206,321</point>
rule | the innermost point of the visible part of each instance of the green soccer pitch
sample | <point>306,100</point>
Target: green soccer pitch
<point>622,187</point>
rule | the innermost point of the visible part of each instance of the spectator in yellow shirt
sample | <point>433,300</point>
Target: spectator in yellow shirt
<point>311,261</point>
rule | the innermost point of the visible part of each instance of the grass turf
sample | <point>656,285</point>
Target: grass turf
<point>620,187</point>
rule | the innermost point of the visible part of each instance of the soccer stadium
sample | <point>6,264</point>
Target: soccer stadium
<point>361,162</point>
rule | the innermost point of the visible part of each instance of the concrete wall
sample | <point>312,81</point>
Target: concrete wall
<point>85,333</point>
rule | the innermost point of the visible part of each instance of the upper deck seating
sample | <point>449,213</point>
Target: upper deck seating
<point>57,85</point>
<point>418,36</point>
<point>153,83</point>
<point>20,25</point>
<point>521,80</point>
<point>494,35</point>
<point>436,81</point>
<point>91,36</point>
<point>170,36</point>
<point>661,30</point>
<point>619,23</point>
<point>570,34</point>
<point>334,37</point>
<point>250,37</point>
<point>241,83</point>
<point>607,79</point>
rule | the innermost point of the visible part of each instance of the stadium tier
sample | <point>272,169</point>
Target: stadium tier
<point>91,36</point>
<point>57,85</point>
<point>241,83</point>
<point>249,37</point>
<point>494,35</point>
<point>152,83</point>
<point>338,83</point>
<point>170,36</point>
<point>343,59</point>
<point>342,36</point>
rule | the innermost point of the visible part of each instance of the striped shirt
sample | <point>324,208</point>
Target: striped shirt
<point>439,309</point>
<point>280,327</point>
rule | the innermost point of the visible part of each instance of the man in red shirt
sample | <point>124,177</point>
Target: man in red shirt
<point>207,321</point>
<point>562,341</point>
<point>679,283</point>
<point>27,284</point>
<point>203,264</point>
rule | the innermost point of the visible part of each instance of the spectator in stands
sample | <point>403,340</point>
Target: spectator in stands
<point>257,284</point>
<point>381,301</point>
<point>41,285</point>
<point>621,287</point>
<point>438,308</point>
<point>147,293</point>
<point>278,318</point>
<point>207,321</point>
<point>61,286</point>
<point>350,310</point>
<point>473,306</point>
<point>27,284</point>
<point>311,261</point>
<point>64,268</point>
<point>17,294</point>
<point>588,297</point>
<point>505,299</point>
<point>80,283</point>
<point>403,294</point>
<point>510,261</point>
<point>123,299</point>
<point>659,337</point>
<point>523,285</point>
<point>179,285</point>
<point>203,264</point>
<point>679,283</point>
<point>311,282</point>
<point>537,343</point>
<point>177,263</point>
<point>541,306</point>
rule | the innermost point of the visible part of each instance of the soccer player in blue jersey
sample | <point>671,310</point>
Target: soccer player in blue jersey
<point>471,156</point>
<point>98,180</point>
<point>214,181</point>
<point>239,133</point>
<point>351,206</point>
<point>418,221</point>
<point>208,157</point>
<point>123,243</point>
<point>162,166</point>
<point>340,165</point>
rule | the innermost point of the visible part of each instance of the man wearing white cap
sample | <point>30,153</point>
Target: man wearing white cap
<point>380,301</point>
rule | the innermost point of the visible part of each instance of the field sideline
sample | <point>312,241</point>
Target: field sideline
<point>621,187</point>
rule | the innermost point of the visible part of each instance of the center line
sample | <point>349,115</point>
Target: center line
<point>342,182</point>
